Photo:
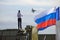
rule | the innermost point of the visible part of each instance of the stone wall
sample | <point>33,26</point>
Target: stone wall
<point>10,34</point>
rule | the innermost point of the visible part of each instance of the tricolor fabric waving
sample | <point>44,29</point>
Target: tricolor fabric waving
<point>47,18</point>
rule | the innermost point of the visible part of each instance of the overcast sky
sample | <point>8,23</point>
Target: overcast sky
<point>9,9</point>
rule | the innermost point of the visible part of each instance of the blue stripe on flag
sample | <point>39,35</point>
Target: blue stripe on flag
<point>45,18</point>
<point>58,13</point>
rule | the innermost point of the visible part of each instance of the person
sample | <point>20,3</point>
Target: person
<point>19,20</point>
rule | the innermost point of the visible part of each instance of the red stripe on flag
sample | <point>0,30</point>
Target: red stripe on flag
<point>46,23</point>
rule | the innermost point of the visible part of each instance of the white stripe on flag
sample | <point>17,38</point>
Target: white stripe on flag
<point>45,12</point>
<point>51,10</point>
<point>40,14</point>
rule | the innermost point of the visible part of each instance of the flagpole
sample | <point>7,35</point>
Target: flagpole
<point>45,37</point>
<point>58,25</point>
<point>58,30</point>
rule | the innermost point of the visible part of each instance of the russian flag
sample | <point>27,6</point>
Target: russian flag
<point>47,18</point>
